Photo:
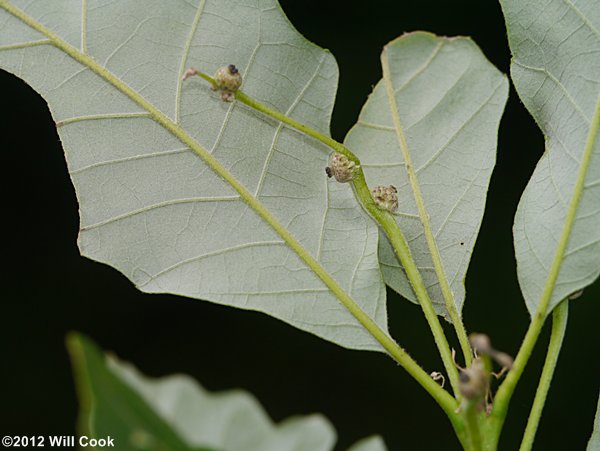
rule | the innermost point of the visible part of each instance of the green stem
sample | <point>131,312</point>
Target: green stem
<point>472,423</point>
<point>427,230</point>
<point>559,326</point>
<point>506,390</point>
<point>398,241</point>
<point>386,221</point>
<point>446,402</point>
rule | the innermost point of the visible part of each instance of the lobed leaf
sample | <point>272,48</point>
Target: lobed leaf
<point>447,104</point>
<point>556,71</point>
<point>119,401</point>
<point>230,226</point>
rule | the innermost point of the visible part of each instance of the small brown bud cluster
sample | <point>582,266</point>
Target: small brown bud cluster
<point>386,197</point>
<point>474,381</point>
<point>482,346</point>
<point>341,168</point>
<point>227,80</point>
<point>481,343</point>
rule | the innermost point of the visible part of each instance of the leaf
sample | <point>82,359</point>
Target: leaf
<point>447,104</point>
<point>108,406</point>
<point>594,443</point>
<point>253,223</point>
<point>374,443</point>
<point>555,69</point>
<point>232,420</point>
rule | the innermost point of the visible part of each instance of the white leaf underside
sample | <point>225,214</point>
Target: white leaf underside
<point>154,210</point>
<point>450,100</point>
<point>556,70</point>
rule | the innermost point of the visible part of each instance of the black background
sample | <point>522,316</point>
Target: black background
<point>49,289</point>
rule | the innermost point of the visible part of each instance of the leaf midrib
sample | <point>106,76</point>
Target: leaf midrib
<point>366,321</point>
<point>506,390</point>
<point>563,242</point>
<point>186,53</point>
<point>431,242</point>
<point>584,163</point>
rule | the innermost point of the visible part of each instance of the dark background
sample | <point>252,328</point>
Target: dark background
<point>50,290</point>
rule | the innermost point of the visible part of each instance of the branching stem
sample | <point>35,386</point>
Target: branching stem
<point>506,390</point>
<point>424,216</point>
<point>472,424</point>
<point>443,398</point>
<point>383,218</point>
<point>559,327</point>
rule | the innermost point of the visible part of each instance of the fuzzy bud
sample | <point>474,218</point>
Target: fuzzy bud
<point>343,169</point>
<point>503,359</point>
<point>481,343</point>
<point>386,197</point>
<point>228,80</point>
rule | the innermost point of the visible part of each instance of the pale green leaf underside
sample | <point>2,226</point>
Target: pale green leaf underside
<point>232,420</point>
<point>450,100</point>
<point>556,71</point>
<point>107,406</point>
<point>227,421</point>
<point>154,210</point>
<point>374,443</point>
<point>594,443</point>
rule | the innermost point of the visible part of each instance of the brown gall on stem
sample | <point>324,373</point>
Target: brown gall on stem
<point>342,168</point>
<point>474,381</point>
<point>227,80</point>
<point>386,197</point>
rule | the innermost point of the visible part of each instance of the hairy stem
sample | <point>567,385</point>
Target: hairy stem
<point>383,218</point>
<point>428,232</point>
<point>472,424</point>
<point>559,327</point>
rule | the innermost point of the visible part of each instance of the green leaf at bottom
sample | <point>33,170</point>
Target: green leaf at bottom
<point>175,413</point>
<point>109,408</point>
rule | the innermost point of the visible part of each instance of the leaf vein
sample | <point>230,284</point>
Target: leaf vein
<point>212,254</point>
<point>24,45</point>
<point>559,84</point>
<point>584,19</point>
<point>131,158</point>
<point>158,206</point>
<point>184,59</point>
<point>461,128</point>
<point>280,127</point>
